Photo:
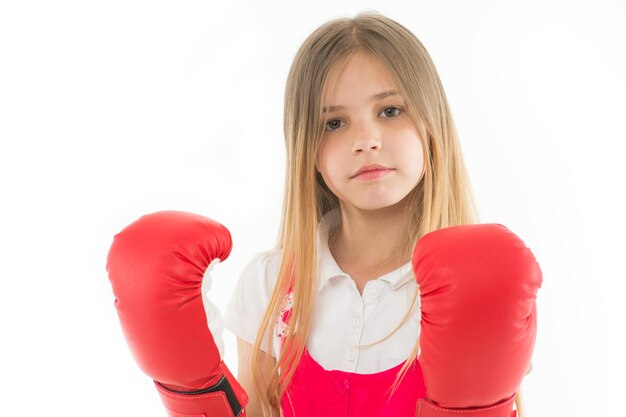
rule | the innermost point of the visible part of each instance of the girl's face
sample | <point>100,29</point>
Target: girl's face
<point>365,124</point>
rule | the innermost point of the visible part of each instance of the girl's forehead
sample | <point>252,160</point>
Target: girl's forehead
<point>358,75</point>
<point>357,64</point>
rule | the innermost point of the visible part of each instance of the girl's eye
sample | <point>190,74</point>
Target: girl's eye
<point>333,124</point>
<point>395,111</point>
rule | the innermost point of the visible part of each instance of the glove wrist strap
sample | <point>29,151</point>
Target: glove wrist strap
<point>426,408</point>
<point>226,398</point>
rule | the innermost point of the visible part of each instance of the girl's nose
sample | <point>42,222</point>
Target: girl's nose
<point>366,140</point>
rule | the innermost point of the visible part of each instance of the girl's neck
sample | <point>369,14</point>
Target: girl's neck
<point>370,238</point>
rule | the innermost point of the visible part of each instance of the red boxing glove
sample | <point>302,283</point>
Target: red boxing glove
<point>156,266</point>
<point>478,284</point>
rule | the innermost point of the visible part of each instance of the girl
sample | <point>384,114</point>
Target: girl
<point>373,164</point>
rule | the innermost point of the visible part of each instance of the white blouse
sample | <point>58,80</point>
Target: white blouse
<point>342,318</point>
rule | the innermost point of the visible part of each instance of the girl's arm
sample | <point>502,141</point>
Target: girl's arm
<point>244,376</point>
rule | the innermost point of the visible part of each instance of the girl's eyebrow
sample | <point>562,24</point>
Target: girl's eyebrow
<point>375,97</point>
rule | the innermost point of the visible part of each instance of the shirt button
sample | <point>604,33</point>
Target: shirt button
<point>373,293</point>
<point>355,323</point>
<point>342,385</point>
<point>351,355</point>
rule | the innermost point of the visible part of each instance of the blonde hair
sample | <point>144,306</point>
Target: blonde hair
<point>442,198</point>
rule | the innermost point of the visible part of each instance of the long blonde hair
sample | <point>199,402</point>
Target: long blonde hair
<point>442,198</point>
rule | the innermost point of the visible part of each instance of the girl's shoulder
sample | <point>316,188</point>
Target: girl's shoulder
<point>253,292</point>
<point>262,269</point>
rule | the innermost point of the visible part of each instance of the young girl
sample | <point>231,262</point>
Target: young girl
<point>373,164</point>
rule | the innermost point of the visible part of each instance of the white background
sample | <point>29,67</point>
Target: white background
<point>110,110</point>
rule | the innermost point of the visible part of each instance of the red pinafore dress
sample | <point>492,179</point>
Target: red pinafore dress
<point>315,391</point>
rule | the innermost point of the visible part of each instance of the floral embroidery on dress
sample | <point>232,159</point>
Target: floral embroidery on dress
<point>282,327</point>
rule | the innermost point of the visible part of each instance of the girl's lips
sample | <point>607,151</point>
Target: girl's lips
<point>377,173</point>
